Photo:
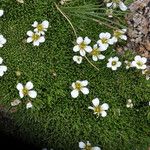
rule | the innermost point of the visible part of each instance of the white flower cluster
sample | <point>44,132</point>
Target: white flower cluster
<point>116,3</point>
<point>105,40</point>
<point>37,36</point>
<point>3,68</point>
<point>25,91</point>
<point>88,146</point>
<point>139,63</point>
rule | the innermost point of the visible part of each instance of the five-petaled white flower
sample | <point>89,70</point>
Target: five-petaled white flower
<point>2,40</point>
<point>1,12</point>
<point>36,38</point>
<point>104,40</point>
<point>119,34</point>
<point>96,53</point>
<point>147,73</point>
<point>113,63</point>
<point>26,90</point>
<point>116,3</point>
<point>3,68</point>
<point>29,105</point>
<point>77,59</point>
<point>41,28</point>
<point>99,109</point>
<point>82,46</point>
<point>128,64</point>
<point>139,62</point>
<point>87,146</point>
<point>79,86</point>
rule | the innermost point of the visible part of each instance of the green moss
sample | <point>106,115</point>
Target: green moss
<point>57,120</point>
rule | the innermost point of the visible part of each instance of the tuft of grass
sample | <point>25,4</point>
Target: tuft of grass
<point>57,120</point>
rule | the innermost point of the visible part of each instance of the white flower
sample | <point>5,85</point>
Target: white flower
<point>3,68</point>
<point>79,86</point>
<point>113,63</point>
<point>99,109</point>
<point>36,38</point>
<point>119,34</point>
<point>1,12</point>
<point>129,104</point>
<point>2,40</point>
<point>147,73</point>
<point>41,28</point>
<point>139,62</point>
<point>26,90</point>
<point>128,64</point>
<point>77,59</point>
<point>82,46</point>
<point>15,102</point>
<point>29,105</point>
<point>104,40</point>
<point>87,146</point>
<point>20,1</point>
<point>96,53</point>
<point>116,3</point>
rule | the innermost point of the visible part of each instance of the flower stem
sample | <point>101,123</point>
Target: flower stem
<point>91,63</point>
<point>66,19</point>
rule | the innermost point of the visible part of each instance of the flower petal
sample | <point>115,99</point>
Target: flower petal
<point>122,6</point>
<point>32,94</point>
<point>123,37</point>
<point>85,90</point>
<point>105,106</point>
<point>95,102</point>
<point>92,108</point>
<point>29,40</point>
<point>35,24</point>
<point>30,33</point>
<point>76,48</point>
<point>81,145</point>
<point>101,57</point>
<point>94,58</point>
<point>21,94</point>
<point>79,40</point>
<point>96,148</point>
<point>45,24</point>
<point>19,87</point>
<point>29,85</point>
<point>84,83</point>
<point>88,49</point>
<point>74,93</point>
<point>1,12</point>
<point>29,105</point>
<point>42,39</point>
<point>109,4</point>
<point>1,60</point>
<point>87,40</point>
<point>103,113</point>
<point>82,52</point>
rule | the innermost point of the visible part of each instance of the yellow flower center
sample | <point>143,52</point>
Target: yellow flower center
<point>25,91</point>
<point>82,45</point>
<point>139,63</point>
<point>104,40</point>
<point>117,34</point>
<point>88,147</point>
<point>35,37</point>
<point>97,109</point>
<point>95,52</point>
<point>40,27</point>
<point>78,86</point>
<point>114,63</point>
